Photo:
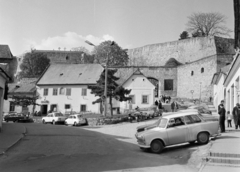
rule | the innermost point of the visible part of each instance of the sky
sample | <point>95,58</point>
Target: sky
<point>66,24</point>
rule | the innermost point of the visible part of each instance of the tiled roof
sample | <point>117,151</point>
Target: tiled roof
<point>21,88</point>
<point>5,52</point>
<point>58,74</point>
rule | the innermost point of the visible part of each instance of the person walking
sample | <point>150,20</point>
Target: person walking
<point>221,112</point>
<point>174,106</point>
<point>229,119</point>
<point>235,113</point>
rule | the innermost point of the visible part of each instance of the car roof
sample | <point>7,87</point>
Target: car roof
<point>180,113</point>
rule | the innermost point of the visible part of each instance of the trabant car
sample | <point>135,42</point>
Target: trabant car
<point>76,120</point>
<point>14,117</point>
<point>54,117</point>
<point>176,128</point>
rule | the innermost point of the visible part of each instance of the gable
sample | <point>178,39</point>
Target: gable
<point>138,82</point>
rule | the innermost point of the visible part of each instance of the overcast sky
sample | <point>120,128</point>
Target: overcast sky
<point>50,24</point>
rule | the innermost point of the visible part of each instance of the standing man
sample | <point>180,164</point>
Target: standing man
<point>222,112</point>
<point>174,106</point>
<point>235,115</point>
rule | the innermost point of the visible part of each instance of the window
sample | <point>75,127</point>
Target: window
<point>68,92</point>
<point>168,84</point>
<point>45,91</point>
<point>67,106</point>
<point>195,118</point>
<point>192,73</point>
<point>133,99</point>
<point>188,120</point>
<point>83,108</point>
<point>84,92</point>
<point>12,107</point>
<point>145,99</point>
<point>61,91</point>
<point>202,70</point>
<point>55,90</point>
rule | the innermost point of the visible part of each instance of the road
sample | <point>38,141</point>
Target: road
<point>51,148</point>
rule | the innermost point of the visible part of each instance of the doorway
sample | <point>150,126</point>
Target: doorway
<point>44,109</point>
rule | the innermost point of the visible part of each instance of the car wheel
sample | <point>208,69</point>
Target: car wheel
<point>157,146</point>
<point>53,122</point>
<point>203,138</point>
<point>75,124</point>
<point>65,123</point>
<point>43,121</point>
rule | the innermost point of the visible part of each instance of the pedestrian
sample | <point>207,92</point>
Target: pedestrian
<point>221,112</point>
<point>156,103</point>
<point>229,119</point>
<point>164,98</point>
<point>174,106</point>
<point>210,98</point>
<point>160,107</point>
<point>235,113</point>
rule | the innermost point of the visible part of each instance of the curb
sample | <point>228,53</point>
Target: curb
<point>18,140</point>
<point>205,159</point>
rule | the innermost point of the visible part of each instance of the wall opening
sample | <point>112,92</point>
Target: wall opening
<point>168,84</point>
<point>202,70</point>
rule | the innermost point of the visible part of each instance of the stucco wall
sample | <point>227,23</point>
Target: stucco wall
<point>187,50</point>
<point>139,86</point>
<point>75,99</point>
<point>187,82</point>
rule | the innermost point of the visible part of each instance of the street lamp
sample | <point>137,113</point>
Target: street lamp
<point>200,92</point>
<point>106,75</point>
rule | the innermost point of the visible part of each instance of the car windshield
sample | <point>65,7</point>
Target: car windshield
<point>161,122</point>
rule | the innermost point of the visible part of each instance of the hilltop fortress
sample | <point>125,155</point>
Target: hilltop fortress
<point>181,68</point>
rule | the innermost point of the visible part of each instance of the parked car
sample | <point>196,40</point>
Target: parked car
<point>54,117</point>
<point>14,117</point>
<point>76,120</point>
<point>176,128</point>
<point>135,115</point>
<point>201,109</point>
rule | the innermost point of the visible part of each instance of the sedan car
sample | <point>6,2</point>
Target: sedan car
<point>14,117</point>
<point>176,128</point>
<point>75,120</point>
<point>54,117</point>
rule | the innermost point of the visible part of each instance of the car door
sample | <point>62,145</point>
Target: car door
<point>70,120</point>
<point>194,124</point>
<point>177,132</point>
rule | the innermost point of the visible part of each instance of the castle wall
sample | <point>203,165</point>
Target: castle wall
<point>199,80</point>
<point>187,50</point>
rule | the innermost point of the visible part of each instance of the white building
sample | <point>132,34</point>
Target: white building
<point>218,87</point>
<point>64,87</point>
<point>232,85</point>
<point>142,92</point>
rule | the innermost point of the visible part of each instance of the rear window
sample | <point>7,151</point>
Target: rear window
<point>58,114</point>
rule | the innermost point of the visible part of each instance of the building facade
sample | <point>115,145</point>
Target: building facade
<point>64,87</point>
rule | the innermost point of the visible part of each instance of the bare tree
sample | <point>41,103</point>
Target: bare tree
<point>208,24</point>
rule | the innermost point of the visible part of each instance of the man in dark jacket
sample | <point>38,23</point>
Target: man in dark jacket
<point>222,112</point>
<point>235,114</point>
<point>174,106</point>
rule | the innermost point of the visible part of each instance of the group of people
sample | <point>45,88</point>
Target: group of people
<point>235,116</point>
<point>165,99</point>
<point>174,105</point>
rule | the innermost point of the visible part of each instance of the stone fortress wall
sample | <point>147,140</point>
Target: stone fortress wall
<point>209,53</point>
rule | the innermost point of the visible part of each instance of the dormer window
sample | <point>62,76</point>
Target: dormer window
<point>192,73</point>
<point>202,70</point>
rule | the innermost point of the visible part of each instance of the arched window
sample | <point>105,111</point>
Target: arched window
<point>202,70</point>
<point>192,73</point>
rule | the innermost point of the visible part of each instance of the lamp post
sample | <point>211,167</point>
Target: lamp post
<point>200,93</point>
<point>106,75</point>
<point>192,91</point>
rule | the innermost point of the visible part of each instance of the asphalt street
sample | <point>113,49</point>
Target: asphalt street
<point>51,148</point>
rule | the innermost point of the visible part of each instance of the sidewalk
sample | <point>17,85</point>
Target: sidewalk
<point>10,135</point>
<point>224,154</point>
